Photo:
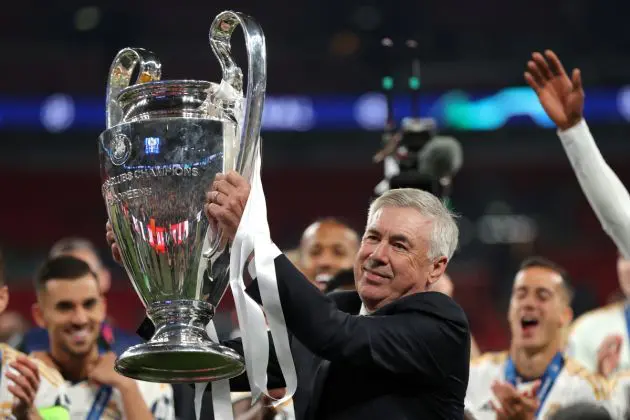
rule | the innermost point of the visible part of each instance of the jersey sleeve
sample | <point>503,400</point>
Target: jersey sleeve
<point>580,346</point>
<point>51,387</point>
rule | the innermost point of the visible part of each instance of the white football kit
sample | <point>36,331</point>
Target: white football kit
<point>572,384</point>
<point>620,393</point>
<point>50,385</point>
<point>82,398</point>
<point>589,330</point>
<point>610,201</point>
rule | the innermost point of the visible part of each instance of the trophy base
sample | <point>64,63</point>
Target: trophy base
<point>176,363</point>
<point>180,351</point>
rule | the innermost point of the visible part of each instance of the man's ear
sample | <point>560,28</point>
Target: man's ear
<point>104,307</point>
<point>437,269</point>
<point>567,316</point>
<point>38,316</point>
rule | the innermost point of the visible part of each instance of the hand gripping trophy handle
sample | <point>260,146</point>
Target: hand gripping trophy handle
<point>220,35</point>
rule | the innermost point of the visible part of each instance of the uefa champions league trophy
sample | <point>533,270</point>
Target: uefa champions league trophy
<point>164,143</point>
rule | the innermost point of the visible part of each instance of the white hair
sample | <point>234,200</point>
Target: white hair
<point>445,233</point>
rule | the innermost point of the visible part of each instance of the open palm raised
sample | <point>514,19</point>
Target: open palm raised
<point>561,97</point>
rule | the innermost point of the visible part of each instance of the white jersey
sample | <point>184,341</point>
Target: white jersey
<point>589,330</point>
<point>573,384</point>
<point>608,197</point>
<point>620,392</point>
<point>80,398</point>
<point>50,385</point>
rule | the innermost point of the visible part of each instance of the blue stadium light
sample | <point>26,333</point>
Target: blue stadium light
<point>454,109</point>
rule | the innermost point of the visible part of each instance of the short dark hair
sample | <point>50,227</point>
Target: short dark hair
<point>538,261</point>
<point>340,221</point>
<point>64,267</point>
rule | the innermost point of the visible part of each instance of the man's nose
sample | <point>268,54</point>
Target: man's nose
<point>325,261</point>
<point>528,301</point>
<point>380,253</point>
<point>80,316</point>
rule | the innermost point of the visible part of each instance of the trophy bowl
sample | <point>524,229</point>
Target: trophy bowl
<point>164,144</point>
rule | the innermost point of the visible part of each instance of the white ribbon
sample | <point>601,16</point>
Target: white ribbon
<point>253,236</point>
<point>221,401</point>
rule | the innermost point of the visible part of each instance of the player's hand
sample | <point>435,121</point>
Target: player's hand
<point>608,355</point>
<point>561,97</point>
<point>514,405</point>
<point>24,387</point>
<point>102,372</point>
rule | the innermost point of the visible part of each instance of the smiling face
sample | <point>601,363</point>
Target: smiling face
<point>539,308</point>
<point>393,258</point>
<point>327,248</point>
<point>72,311</point>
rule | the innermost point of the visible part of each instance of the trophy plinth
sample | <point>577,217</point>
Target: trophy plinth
<point>180,351</point>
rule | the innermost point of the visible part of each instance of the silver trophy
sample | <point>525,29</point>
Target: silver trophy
<point>165,141</point>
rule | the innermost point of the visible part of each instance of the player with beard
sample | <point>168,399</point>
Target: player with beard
<point>26,384</point>
<point>534,378</point>
<point>327,247</point>
<point>112,337</point>
<point>71,307</point>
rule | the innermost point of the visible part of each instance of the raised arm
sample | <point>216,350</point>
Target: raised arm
<point>563,100</point>
<point>608,197</point>
<point>417,337</point>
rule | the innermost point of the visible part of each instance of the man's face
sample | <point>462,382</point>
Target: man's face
<point>87,256</point>
<point>539,308</point>
<point>72,311</point>
<point>393,259</point>
<point>326,249</point>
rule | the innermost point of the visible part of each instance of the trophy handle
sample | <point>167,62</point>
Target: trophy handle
<point>220,35</point>
<point>149,69</point>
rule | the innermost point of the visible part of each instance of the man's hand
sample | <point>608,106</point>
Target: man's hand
<point>224,208</point>
<point>514,405</point>
<point>608,355</point>
<point>24,388</point>
<point>561,97</point>
<point>102,372</point>
<point>226,202</point>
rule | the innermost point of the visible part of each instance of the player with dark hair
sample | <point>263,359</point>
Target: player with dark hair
<point>534,378</point>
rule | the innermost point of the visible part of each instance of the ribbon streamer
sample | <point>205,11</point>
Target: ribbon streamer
<point>253,236</point>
